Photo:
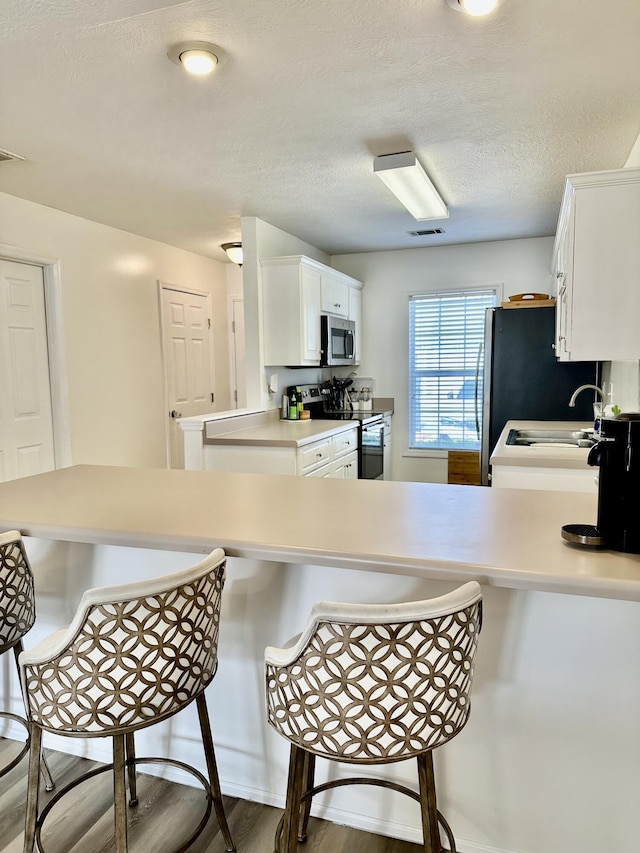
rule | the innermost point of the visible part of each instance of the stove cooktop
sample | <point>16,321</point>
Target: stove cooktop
<point>347,415</point>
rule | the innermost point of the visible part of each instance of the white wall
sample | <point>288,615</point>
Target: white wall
<point>261,240</point>
<point>111,329</point>
<point>389,277</point>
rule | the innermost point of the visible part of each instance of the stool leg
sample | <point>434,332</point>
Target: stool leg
<point>295,785</point>
<point>212,767</point>
<point>49,784</point>
<point>119,794</point>
<point>305,811</point>
<point>428,805</point>
<point>131,769</point>
<point>33,785</point>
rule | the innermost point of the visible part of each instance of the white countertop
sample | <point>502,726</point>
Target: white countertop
<point>505,538</point>
<point>282,433</point>
<point>537,455</point>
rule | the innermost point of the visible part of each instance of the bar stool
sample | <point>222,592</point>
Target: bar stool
<point>133,655</point>
<point>17,615</point>
<point>373,684</point>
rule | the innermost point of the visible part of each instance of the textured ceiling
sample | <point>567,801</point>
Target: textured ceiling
<point>498,110</point>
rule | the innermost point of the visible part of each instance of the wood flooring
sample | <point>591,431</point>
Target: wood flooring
<point>82,823</point>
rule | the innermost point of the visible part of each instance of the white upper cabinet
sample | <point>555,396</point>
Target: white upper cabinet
<point>291,312</point>
<point>596,263</point>
<point>334,294</point>
<point>295,291</point>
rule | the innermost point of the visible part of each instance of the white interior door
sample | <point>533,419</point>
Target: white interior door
<point>187,343</point>
<point>26,426</point>
<point>238,384</point>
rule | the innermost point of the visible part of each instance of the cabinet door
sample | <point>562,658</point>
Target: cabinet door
<point>346,468</point>
<point>291,314</point>
<point>605,298</point>
<point>310,314</point>
<point>334,295</point>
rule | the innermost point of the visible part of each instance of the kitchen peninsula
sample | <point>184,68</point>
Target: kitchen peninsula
<point>557,681</point>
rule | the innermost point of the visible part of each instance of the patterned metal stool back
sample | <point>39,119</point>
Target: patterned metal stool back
<point>375,683</point>
<point>132,656</point>
<point>17,601</point>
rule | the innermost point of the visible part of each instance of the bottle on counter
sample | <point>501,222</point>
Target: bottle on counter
<point>284,407</point>
<point>299,401</point>
<point>293,404</point>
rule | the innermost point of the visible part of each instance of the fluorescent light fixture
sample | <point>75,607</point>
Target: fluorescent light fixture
<point>409,182</point>
<point>234,252</point>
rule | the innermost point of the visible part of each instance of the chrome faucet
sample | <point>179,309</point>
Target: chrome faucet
<point>572,401</point>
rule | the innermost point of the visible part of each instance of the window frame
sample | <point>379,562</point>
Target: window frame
<point>436,450</point>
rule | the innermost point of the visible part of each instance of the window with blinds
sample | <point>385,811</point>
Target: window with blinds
<point>446,340</point>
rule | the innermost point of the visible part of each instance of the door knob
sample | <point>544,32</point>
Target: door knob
<point>175,414</point>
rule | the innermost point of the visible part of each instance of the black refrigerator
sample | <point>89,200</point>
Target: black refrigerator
<point>522,378</point>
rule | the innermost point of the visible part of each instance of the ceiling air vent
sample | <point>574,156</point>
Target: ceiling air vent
<point>426,233</point>
<point>7,155</point>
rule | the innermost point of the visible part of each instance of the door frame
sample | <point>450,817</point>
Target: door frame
<point>58,373</point>
<point>232,298</point>
<point>165,285</point>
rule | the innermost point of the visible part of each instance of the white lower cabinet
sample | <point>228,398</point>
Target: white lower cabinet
<point>322,471</point>
<point>546,479</point>
<point>312,455</point>
<point>331,456</point>
<point>386,457</point>
<point>342,454</point>
<point>345,468</point>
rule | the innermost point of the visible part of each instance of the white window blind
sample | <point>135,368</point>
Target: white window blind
<point>446,339</point>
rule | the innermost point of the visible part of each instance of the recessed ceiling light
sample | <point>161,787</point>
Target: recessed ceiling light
<point>196,57</point>
<point>477,8</point>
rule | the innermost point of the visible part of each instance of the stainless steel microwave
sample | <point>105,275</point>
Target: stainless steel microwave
<point>337,341</point>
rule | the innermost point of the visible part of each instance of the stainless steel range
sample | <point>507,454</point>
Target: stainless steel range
<point>329,404</point>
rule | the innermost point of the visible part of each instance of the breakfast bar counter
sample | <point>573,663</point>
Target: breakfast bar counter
<point>553,742</point>
<point>501,538</point>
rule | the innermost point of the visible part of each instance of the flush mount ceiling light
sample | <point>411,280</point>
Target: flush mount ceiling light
<point>409,182</point>
<point>477,8</point>
<point>234,252</point>
<point>196,57</point>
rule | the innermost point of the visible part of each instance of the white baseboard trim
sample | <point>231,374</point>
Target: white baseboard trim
<point>100,750</point>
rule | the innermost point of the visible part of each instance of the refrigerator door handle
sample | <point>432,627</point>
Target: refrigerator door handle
<point>485,449</point>
<point>477,388</point>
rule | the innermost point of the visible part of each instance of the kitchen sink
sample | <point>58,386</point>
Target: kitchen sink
<point>551,437</point>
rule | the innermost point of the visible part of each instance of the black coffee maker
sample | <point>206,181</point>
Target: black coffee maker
<point>618,455</point>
